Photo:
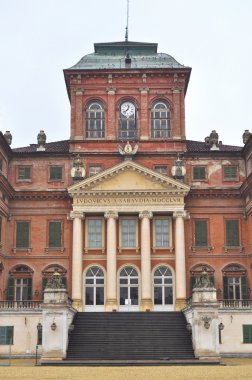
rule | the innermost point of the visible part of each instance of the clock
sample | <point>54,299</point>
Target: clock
<point>127,109</point>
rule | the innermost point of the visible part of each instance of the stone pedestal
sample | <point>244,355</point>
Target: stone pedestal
<point>205,323</point>
<point>57,316</point>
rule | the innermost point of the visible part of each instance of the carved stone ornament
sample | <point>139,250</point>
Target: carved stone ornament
<point>41,138</point>
<point>128,150</point>
<point>214,140</point>
<point>78,171</point>
<point>145,214</point>
<point>246,135</point>
<point>203,281</point>
<point>178,170</point>
<point>111,214</point>
<point>8,137</point>
<point>55,282</point>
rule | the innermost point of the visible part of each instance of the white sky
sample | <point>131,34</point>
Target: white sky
<point>40,38</point>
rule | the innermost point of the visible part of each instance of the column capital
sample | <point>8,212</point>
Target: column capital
<point>77,214</point>
<point>145,214</point>
<point>181,214</point>
<point>111,90</point>
<point>111,214</point>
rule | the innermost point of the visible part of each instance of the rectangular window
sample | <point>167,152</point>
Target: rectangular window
<point>162,169</point>
<point>24,172</point>
<point>6,335</point>
<point>55,173</point>
<point>230,172</point>
<point>247,333</point>
<point>128,233</point>
<point>162,229</point>
<point>232,233</point>
<point>94,169</point>
<point>200,233</point>
<point>55,234</point>
<point>22,234</point>
<point>94,235</point>
<point>199,173</point>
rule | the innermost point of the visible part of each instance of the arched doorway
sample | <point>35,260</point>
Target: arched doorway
<point>163,289</point>
<point>94,289</point>
<point>129,294</point>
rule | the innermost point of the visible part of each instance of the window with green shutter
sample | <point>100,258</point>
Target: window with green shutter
<point>24,172</point>
<point>6,335</point>
<point>22,234</point>
<point>247,333</point>
<point>199,173</point>
<point>200,233</point>
<point>232,233</point>
<point>55,234</point>
<point>55,173</point>
<point>230,172</point>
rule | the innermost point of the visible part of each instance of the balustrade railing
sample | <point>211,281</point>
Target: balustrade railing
<point>237,304</point>
<point>20,305</point>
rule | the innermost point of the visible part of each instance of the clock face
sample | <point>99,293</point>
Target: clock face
<point>127,109</point>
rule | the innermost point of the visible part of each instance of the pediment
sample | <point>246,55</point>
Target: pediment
<point>128,176</point>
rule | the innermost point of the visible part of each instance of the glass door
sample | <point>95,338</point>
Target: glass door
<point>129,299</point>
<point>163,289</point>
<point>94,289</point>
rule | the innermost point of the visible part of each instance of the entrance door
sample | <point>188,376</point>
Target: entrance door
<point>163,289</point>
<point>94,289</point>
<point>129,289</point>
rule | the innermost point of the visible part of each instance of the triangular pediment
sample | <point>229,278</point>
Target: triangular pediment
<point>128,176</point>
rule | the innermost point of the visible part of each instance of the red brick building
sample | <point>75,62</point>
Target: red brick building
<point>128,210</point>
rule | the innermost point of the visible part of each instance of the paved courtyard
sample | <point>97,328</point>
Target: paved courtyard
<point>24,369</point>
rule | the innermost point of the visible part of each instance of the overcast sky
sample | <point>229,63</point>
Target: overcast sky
<point>40,38</point>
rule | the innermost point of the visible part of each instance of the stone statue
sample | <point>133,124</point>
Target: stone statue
<point>55,281</point>
<point>203,281</point>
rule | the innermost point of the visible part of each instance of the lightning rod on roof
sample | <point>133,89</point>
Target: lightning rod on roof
<point>127,26</point>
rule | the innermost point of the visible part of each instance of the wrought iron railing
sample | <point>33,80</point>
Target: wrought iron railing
<point>20,305</point>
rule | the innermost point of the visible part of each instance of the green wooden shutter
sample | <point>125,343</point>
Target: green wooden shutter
<point>193,281</point>
<point>22,234</point>
<point>200,227</point>
<point>44,282</point>
<point>199,172</point>
<point>9,335</point>
<point>244,284</point>
<point>29,289</point>
<point>247,333</point>
<point>212,280</point>
<point>10,289</point>
<point>54,234</point>
<point>230,172</point>
<point>232,233</point>
<point>225,287</point>
<point>64,281</point>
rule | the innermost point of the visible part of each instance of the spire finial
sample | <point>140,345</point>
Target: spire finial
<point>127,26</point>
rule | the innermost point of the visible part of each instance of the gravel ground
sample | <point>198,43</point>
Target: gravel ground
<point>24,369</point>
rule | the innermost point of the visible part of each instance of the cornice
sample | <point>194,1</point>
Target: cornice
<point>40,195</point>
<point>6,186</point>
<point>222,193</point>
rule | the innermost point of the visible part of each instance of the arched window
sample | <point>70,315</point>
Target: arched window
<point>94,287</point>
<point>163,286</point>
<point>95,121</point>
<point>128,286</point>
<point>235,285</point>
<point>160,120</point>
<point>127,121</point>
<point>19,286</point>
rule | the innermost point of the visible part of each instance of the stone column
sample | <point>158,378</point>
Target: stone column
<point>77,259</point>
<point>146,283</point>
<point>179,217</point>
<point>111,298</point>
<point>144,125</point>
<point>111,112</point>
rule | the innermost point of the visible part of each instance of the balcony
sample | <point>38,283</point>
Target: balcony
<point>20,305</point>
<point>235,304</point>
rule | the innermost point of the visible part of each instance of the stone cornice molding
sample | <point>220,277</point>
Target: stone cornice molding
<point>111,214</point>
<point>145,214</point>
<point>77,214</point>
<point>181,214</point>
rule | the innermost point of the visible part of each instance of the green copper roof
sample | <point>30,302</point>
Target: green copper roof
<point>111,55</point>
